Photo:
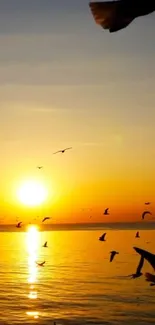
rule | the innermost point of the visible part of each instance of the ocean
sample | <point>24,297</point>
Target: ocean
<point>77,284</point>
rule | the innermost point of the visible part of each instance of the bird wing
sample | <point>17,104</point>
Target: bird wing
<point>103,236</point>
<point>144,213</point>
<point>43,219</point>
<point>147,255</point>
<point>108,15</point>
<point>57,152</point>
<point>150,277</point>
<point>68,148</point>
<point>140,265</point>
<point>19,223</point>
<point>112,256</point>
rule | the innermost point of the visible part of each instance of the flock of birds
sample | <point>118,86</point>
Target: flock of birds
<point>144,254</point>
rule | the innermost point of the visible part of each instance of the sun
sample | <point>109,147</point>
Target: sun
<point>32,193</point>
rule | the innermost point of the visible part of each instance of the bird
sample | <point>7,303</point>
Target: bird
<point>116,15</point>
<point>62,151</point>
<point>139,267</point>
<point>102,238</point>
<point>45,244</point>
<point>147,255</point>
<point>137,234</point>
<point>144,213</point>
<point>40,264</point>
<point>46,218</point>
<point>19,224</point>
<point>106,211</point>
<point>147,203</point>
<point>113,253</point>
<point>39,167</point>
<point>150,278</point>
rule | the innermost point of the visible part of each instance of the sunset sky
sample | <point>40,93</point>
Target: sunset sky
<point>66,82</point>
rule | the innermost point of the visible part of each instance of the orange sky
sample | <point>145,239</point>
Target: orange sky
<point>67,84</point>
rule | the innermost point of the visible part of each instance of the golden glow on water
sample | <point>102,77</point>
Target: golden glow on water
<point>32,242</point>
<point>33,314</point>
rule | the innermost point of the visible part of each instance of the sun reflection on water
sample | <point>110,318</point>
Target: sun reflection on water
<point>32,244</point>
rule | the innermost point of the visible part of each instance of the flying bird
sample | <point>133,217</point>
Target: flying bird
<point>62,151</point>
<point>39,167</point>
<point>19,224</point>
<point>138,271</point>
<point>40,264</point>
<point>116,15</point>
<point>150,278</point>
<point>147,255</point>
<point>147,203</point>
<point>144,213</point>
<point>137,234</point>
<point>102,238</point>
<point>46,218</point>
<point>45,245</point>
<point>113,253</point>
<point>106,212</point>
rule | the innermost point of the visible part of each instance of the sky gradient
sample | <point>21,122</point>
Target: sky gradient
<point>66,82</point>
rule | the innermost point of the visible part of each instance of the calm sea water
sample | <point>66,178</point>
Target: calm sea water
<point>77,285</point>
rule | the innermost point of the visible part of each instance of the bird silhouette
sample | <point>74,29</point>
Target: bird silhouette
<point>147,255</point>
<point>138,271</point>
<point>40,264</point>
<point>106,212</point>
<point>147,203</point>
<point>62,151</point>
<point>102,238</point>
<point>113,253</point>
<point>137,234</point>
<point>46,218</point>
<point>45,244</point>
<point>150,278</point>
<point>39,167</point>
<point>19,224</point>
<point>116,15</point>
<point>144,213</point>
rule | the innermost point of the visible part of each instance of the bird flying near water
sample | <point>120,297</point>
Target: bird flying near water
<point>19,224</point>
<point>116,15</point>
<point>46,218</point>
<point>113,253</point>
<point>137,234</point>
<point>144,213</point>
<point>45,244</point>
<point>102,238</point>
<point>106,212</point>
<point>147,255</point>
<point>139,267</point>
<point>62,151</point>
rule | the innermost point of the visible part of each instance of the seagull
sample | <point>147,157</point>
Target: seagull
<point>116,15</point>
<point>144,213</point>
<point>46,218</point>
<point>113,253</point>
<point>40,264</point>
<point>150,278</point>
<point>137,234</point>
<point>45,245</point>
<point>19,224</point>
<point>147,203</point>
<point>39,167</point>
<point>106,211</point>
<point>147,255</point>
<point>62,151</point>
<point>102,238</point>
<point>138,271</point>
